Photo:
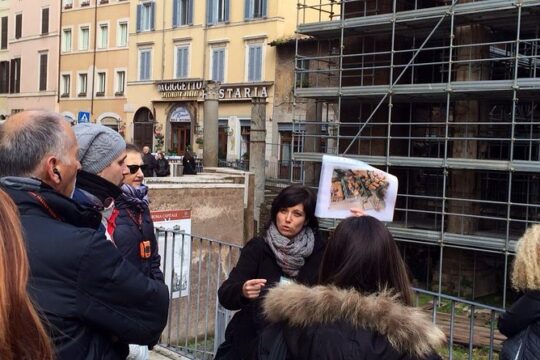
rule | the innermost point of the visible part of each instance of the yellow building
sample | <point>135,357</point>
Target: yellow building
<point>93,61</point>
<point>175,48</point>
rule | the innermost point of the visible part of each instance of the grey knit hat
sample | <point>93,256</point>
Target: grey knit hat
<point>99,146</point>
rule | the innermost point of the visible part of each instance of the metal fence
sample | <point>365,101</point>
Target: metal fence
<point>195,267</point>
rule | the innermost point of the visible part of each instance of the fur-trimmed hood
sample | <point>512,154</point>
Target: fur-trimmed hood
<point>407,329</point>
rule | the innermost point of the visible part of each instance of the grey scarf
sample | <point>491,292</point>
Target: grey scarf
<point>290,253</point>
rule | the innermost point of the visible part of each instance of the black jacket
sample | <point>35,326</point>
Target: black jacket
<point>190,167</point>
<point>257,261</point>
<point>162,167</point>
<point>94,301</point>
<point>328,323</point>
<point>150,161</point>
<point>523,313</point>
<point>133,226</point>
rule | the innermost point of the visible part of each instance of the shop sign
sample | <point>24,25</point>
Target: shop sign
<point>180,114</point>
<point>195,90</point>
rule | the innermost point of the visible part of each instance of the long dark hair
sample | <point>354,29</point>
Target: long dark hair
<point>293,195</point>
<point>362,254</point>
<point>22,335</point>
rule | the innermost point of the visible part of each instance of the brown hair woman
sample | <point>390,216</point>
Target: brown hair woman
<point>22,335</point>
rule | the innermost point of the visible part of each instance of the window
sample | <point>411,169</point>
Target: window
<point>101,77</point>
<point>66,40</point>
<point>122,37</point>
<point>4,35</point>
<point>44,21</point>
<point>254,62</point>
<point>18,26</point>
<point>103,36</point>
<point>182,55</point>
<point>83,78</point>
<point>4,77</point>
<point>66,85</point>
<point>145,16</point>
<point>84,37</point>
<point>68,4</point>
<point>15,76</point>
<point>43,72</point>
<point>145,63</point>
<point>182,12</point>
<point>217,11</point>
<point>254,9</point>
<point>120,82</point>
<point>218,64</point>
<point>302,74</point>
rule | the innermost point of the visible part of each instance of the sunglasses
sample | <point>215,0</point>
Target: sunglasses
<point>134,168</point>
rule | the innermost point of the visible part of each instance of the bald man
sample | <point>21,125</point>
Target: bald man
<point>94,302</point>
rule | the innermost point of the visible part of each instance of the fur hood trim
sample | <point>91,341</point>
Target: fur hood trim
<point>408,329</point>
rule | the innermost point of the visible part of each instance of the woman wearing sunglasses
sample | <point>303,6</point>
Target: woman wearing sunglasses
<point>134,233</point>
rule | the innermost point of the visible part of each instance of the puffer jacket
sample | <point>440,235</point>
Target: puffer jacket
<point>94,301</point>
<point>329,323</point>
<point>133,226</point>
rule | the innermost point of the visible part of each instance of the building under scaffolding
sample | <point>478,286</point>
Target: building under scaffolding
<point>441,94</point>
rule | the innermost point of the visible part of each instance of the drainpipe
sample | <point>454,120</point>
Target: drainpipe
<point>94,60</point>
<point>58,77</point>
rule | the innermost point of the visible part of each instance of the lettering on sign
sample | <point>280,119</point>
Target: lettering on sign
<point>195,90</point>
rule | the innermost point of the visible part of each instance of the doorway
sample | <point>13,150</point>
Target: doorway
<point>143,128</point>
<point>180,137</point>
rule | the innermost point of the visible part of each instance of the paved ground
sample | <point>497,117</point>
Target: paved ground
<point>160,353</point>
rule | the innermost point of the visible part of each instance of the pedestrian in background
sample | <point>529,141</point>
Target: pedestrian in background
<point>94,302</point>
<point>22,336</point>
<point>162,165</point>
<point>363,308</point>
<point>521,322</point>
<point>188,162</point>
<point>150,161</point>
<point>289,250</point>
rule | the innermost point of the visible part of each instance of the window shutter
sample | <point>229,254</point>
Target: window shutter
<point>18,26</point>
<point>226,18</point>
<point>221,65</point>
<point>258,63</point>
<point>139,13</point>
<point>4,77</point>
<point>247,9</point>
<point>4,39</point>
<point>190,12</point>
<point>264,5</point>
<point>185,62</point>
<point>176,8</point>
<point>45,21</point>
<point>210,11</point>
<point>215,64</point>
<point>43,72</point>
<point>251,62</point>
<point>152,14</point>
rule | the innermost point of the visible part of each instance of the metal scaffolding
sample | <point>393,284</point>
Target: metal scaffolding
<point>442,94</point>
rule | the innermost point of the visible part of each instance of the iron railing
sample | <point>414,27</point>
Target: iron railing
<point>195,267</point>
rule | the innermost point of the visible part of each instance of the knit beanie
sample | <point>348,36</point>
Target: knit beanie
<point>99,146</point>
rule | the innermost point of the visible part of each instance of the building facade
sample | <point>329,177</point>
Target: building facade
<point>32,52</point>
<point>178,46</point>
<point>443,95</point>
<point>4,58</point>
<point>93,61</point>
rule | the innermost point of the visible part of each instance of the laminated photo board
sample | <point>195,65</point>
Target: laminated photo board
<point>347,183</point>
<point>175,254</point>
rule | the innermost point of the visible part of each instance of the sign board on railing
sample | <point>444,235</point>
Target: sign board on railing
<point>177,254</point>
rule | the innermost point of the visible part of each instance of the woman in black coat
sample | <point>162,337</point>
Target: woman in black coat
<point>134,234</point>
<point>525,312</point>
<point>290,249</point>
<point>362,309</point>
